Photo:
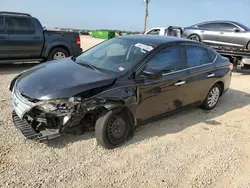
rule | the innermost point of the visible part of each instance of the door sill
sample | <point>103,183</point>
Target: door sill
<point>164,115</point>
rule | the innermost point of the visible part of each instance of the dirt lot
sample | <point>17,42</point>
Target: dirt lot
<point>190,149</point>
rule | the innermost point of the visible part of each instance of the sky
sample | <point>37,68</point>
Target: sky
<point>129,14</point>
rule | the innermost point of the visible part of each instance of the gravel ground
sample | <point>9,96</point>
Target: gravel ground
<point>190,149</point>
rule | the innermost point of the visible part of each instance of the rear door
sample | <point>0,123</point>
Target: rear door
<point>156,97</point>
<point>201,72</point>
<point>4,46</point>
<point>25,40</point>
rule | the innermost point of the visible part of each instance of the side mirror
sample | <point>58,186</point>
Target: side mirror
<point>154,75</point>
<point>236,30</point>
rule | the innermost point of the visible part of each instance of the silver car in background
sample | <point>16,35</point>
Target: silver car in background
<point>220,33</point>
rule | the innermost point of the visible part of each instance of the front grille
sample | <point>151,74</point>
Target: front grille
<point>24,127</point>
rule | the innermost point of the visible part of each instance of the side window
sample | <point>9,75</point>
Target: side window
<point>227,26</point>
<point>20,25</point>
<point>166,61</point>
<point>211,55</point>
<point>1,25</point>
<point>210,26</point>
<point>154,32</point>
<point>198,56</point>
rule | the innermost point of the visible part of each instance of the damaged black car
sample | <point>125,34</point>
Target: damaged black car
<point>116,86</point>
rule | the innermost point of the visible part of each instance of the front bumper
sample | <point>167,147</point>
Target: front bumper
<point>30,133</point>
<point>21,107</point>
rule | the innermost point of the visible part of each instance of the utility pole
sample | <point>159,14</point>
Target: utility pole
<point>146,15</point>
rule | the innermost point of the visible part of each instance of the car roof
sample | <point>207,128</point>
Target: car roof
<point>217,21</point>
<point>5,13</point>
<point>153,39</point>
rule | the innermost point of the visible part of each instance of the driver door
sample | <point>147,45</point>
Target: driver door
<point>158,96</point>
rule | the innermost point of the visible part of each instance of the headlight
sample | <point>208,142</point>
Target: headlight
<point>61,106</point>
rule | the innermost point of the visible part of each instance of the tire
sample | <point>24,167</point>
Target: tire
<point>194,37</point>
<point>248,46</point>
<point>113,128</point>
<point>59,52</point>
<point>208,104</point>
<point>246,66</point>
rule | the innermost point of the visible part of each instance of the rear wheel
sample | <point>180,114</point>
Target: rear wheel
<point>246,66</point>
<point>212,98</point>
<point>57,53</point>
<point>194,37</point>
<point>113,128</point>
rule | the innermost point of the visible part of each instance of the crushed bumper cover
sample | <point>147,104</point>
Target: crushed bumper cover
<point>30,133</point>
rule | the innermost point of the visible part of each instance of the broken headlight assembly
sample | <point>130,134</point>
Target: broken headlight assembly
<point>59,106</point>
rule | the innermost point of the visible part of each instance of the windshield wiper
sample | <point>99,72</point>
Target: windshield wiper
<point>88,65</point>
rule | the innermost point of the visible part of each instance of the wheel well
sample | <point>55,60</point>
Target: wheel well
<point>60,46</point>
<point>248,45</point>
<point>93,115</point>
<point>221,84</point>
<point>194,34</point>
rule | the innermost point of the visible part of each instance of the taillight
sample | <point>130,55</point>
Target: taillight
<point>78,41</point>
<point>231,66</point>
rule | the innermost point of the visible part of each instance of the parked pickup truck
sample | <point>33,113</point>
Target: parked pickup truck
<point>169,31</point>
<point>22,38</point>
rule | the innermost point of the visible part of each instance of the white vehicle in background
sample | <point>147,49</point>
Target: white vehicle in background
<point>169,31</point>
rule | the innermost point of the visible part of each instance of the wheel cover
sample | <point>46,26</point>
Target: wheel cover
<point>213,97</point>
<point>59,55</point>
<point>117,129</point>
<point>194,37</point>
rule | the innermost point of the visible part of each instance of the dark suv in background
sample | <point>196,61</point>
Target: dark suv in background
<point>220,33</point>
<point>22,38</point>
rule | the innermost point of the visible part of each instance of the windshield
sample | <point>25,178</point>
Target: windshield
<point>116,55</point>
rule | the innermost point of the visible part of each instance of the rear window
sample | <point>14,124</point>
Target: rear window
<point>197,56</point>
<point>20,25</point>
<point>1,25</point>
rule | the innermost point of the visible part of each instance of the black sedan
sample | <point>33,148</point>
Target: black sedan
<point>116,86</point>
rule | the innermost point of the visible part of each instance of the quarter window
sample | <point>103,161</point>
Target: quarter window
<point>1,24</point>
<point>198,56</point>
<point>20,25</point>
<point>168,60</point>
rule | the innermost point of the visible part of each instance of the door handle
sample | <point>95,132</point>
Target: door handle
<point>221,32</point>
<point>179,83</point>
<point>36,38</point>
<point>202,31</point>
<point>210,75</point>
<point>2,37</point>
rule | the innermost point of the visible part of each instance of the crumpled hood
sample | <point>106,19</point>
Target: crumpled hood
<point>60,79</point>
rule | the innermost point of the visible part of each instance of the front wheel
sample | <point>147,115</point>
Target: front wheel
<point>212,98</point>
<point>113,128</point>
